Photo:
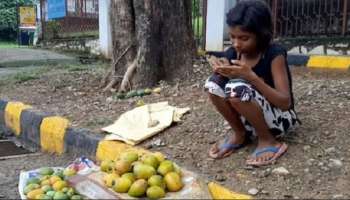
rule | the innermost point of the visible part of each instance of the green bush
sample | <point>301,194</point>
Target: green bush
<point>52,30</point>
<point>8,19</point>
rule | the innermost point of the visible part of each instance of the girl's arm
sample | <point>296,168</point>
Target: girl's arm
<point>280,95</point>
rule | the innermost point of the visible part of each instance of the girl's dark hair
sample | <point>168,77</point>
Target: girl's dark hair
<point>253,16</point>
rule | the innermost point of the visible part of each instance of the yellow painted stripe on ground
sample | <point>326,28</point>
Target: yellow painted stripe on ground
<point>111,150</point>
<point>219,192</point>
<point>13,112</point>
<point>331,62</point>
<point>52,132</point>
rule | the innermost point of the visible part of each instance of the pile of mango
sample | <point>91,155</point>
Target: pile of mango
<point>140,93</point>
<point>149,175</point>
<point>51,184</point>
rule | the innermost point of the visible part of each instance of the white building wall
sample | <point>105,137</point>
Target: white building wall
<point>216,28</point>
<point>105,28</point>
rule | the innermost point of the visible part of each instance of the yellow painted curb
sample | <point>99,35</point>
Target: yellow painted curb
<point>111,150</point>
<point>13,112</point>
<point>52,132</point>
<point>330,62</point>
<point>219,192</point>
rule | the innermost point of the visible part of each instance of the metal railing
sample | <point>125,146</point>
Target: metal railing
<point>81,20</point>
<point>199,11</point>
<point>309,18</point>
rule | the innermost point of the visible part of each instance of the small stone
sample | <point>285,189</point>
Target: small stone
<point>306,170</point>
<point>338,196</point>
<point>310,162</point>
<point>158,143</point>
<point>264,173</point>
<point>330,150</point>
<point>265,192</point>
<point>306,147</point>
<point>220,178</point>
<point>288,196</point>
<point>326,169</point>
<point>280,171</point>
<point>109,100</point>
<point>253,191</point>
<point>335,163</point>
<point>248,167</point>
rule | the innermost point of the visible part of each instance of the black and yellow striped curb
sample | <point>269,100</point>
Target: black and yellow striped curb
<point>329,62</point>
<point>320,61</point>
<point>41,131</point>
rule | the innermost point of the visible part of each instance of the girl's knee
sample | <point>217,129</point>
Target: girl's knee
<point>234,101</point>
<point>214,96</point>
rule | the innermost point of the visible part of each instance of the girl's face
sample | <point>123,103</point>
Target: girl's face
<point>244,42</point>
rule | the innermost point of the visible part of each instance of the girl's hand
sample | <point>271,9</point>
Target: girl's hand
<point>216,63</point>
<point>237,69</point>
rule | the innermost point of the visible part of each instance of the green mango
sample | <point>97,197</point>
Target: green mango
<point>131,94</point>
<point>33,181</point>
<point>46,171</point>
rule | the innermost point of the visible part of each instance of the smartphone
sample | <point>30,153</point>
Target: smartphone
<point>239,56</point>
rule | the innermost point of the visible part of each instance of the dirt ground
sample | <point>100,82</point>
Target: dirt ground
<point>317,162</point>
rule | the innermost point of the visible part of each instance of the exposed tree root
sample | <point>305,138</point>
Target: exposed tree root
<point>129,73</point>
<point>113,80</point>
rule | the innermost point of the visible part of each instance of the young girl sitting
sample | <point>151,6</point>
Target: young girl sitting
<point>251,86</point>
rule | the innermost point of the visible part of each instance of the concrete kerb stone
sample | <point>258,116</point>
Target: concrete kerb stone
<point>2,116</point>
<point>76,140</point>
<point>81,141</point>
<point>30,129</point>
<point>297,60</point>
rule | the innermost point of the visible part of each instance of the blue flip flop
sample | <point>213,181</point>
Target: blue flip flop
<point>277,152</point>
<point>228,147</point>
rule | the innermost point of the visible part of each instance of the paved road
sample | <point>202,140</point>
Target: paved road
<point>11,168</point>
<point>19,57</point>
<point>15,60</point>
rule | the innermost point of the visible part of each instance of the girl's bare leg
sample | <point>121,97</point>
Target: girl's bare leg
<point>253,113</point>
<point>232,117</point>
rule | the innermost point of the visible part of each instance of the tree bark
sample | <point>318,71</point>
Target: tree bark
<point>152,41</point>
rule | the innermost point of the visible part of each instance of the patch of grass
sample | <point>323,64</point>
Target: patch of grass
<point>24,77</point>
<point>75,67</point>
<point>8,44</point>
<point>20,77</point>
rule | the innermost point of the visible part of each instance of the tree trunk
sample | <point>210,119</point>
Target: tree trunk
<point>152,41</point>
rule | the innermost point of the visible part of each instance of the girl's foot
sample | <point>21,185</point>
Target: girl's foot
<point>226,147</point>
<point>267,154</point>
